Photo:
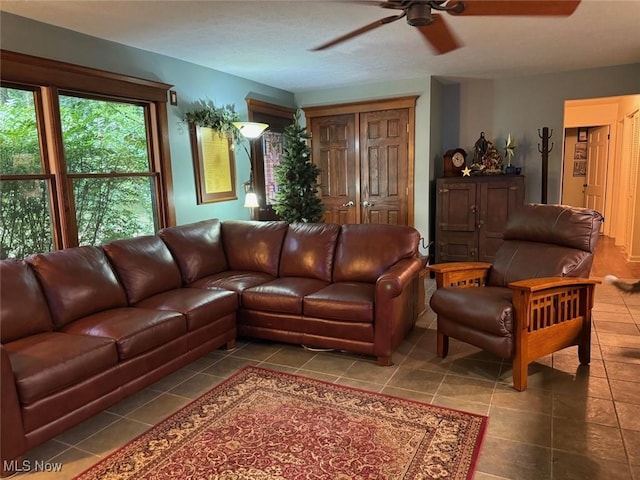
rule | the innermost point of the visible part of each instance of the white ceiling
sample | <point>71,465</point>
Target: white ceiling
<point>269,41</point>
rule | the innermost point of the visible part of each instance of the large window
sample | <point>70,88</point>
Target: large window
<point>79,166</point>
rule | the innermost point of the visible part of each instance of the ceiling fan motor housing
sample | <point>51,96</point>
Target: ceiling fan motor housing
<point>419,15</point>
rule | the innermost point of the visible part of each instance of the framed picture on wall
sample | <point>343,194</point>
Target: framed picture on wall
<point>583,134</point>
<point>214,165</point>
<point>580,151</point>
<point>579,168</point>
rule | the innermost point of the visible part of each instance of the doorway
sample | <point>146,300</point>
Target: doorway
<point>600,167</point>
<point>585,169</point>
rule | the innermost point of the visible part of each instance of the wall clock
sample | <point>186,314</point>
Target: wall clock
<point>454,162</point>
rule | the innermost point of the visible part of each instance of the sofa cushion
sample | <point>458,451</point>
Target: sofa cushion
<point>197,248</point>
<point>46,363</point>
<point>348,301</point>
<point>489,309</point>
<point>308,250</point>
<point>200,307</point>
<point>282,295</point>
<point>562,225</point>
<point>144,266</point>
<point>366,251</point>
<point>23,309</point>
<point>77,282</point>
<point>135,330</point>
<point>513,262</point>
<point>253,246</point>
<point>232,280</point>
<point>560,238</point>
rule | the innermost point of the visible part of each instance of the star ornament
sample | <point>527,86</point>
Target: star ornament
<point>466,172</point>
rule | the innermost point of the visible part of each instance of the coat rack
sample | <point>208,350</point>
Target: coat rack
<point>546,135</point>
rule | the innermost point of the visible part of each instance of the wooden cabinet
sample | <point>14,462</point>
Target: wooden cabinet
<point>471,213</point>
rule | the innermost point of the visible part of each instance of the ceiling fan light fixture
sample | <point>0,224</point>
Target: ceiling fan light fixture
<point>419,15</point>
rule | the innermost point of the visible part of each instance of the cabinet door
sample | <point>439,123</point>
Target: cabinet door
<point>456,206</point>
<point>384,166</point>
<point>497,200</point>
<point>334,152</point>
<point>456,221</point>
<point>457,247</point>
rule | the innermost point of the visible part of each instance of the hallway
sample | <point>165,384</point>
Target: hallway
<point>610,260</point>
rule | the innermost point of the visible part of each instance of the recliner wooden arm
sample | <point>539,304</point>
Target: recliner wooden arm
<point>550,314</point>
<point>460,274</point>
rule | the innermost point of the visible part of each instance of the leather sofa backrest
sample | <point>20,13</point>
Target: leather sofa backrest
<point>23,310</point>
<point>364,252</point>
<point>546,241</point>
<point>253,246</point>
<point>144,266</point>
<point>197,249</point>
<point>77,282</point>
<point>562,225</point>
<point>308,250</point>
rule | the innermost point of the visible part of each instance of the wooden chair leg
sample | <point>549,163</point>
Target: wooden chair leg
<point>442,345</point>
<point>584,353</point>
<point>584,347</point>
<point>520,373</point>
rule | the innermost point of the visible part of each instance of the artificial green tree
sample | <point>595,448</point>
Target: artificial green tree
<point>297,178</point>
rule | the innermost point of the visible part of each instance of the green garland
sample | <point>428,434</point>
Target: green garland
<point>206,114</point>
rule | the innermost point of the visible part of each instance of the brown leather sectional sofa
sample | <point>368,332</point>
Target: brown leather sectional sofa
<point>84,327</point>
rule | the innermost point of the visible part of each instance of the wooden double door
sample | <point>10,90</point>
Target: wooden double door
<point>366,158</point>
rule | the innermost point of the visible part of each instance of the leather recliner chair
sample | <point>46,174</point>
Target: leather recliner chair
<point>535,298</point>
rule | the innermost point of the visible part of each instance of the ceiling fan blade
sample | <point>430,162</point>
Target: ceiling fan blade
<point>359,31</point>
<point>439,35</point>
<point>520,7</point>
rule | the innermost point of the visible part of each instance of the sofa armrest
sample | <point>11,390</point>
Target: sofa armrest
<point>546,283</point>
<point>395,279</point>
<point>396,307</point>
<point>12,437</point>
<point>460,274</point>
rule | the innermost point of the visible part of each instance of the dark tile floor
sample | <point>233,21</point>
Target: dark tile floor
<point>571,422</point>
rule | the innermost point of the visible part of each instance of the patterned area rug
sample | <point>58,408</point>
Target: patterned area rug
<point>262,424</point>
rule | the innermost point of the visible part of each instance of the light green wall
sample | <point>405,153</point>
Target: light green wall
<point>191,82</point>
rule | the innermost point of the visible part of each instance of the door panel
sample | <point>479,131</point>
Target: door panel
<point>334,153</point>
<point>457,207</point>
<point>498,199</point>
<point>384,166</point>
<point>458,247</point>
<point>596,179</point>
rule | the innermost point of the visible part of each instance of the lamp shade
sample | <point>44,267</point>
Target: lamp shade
<point>251,200</point>
<point>250,129</point>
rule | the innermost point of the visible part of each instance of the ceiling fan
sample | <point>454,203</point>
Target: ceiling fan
<point>435,30</point>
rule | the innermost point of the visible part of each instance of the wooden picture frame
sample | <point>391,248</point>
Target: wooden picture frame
<point>214,165</point>
<point>579,168</point>
<point>583,134</point>
<point>580,151</point>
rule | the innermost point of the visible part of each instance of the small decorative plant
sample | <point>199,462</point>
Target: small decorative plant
<point>206,114</point>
